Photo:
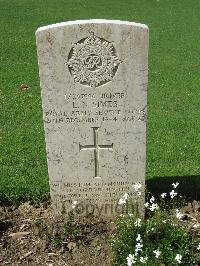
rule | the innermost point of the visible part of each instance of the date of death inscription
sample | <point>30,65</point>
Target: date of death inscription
<point>91,108</point>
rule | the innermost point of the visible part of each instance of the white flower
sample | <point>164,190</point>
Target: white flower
<point>138,247</point>
<point>152,199</point>
<point>123,199</point>
<point>175,185</point>
<point>74,204</point>
<point>157,253</point>
<point>137,223</point>
<point>195,225</point>
<point>143,259</point>
<point>139,193</point>
<point>137,186</point>
<point>198,247</point>
<point>179,215</point>
<point>130,214</point>
<point>174,224</point>
<point>125,196</point>
<point>164,221</point>
<point>153,207</point>
<point>146,204</point>
<point>173,194</point>
<point>178,258</point>
<point>130,260</point>
<point>163,195</point>
<point>138,238</point>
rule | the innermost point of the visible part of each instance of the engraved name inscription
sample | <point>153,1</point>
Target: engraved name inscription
<point>91,108</point>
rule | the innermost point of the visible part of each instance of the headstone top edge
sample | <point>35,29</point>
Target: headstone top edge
<point>95,21</point>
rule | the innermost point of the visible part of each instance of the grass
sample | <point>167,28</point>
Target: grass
<point>173,100</point>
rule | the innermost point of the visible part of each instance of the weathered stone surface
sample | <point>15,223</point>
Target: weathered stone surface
<point>94,92</point>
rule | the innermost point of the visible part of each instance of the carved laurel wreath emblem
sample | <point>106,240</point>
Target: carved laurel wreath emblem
<point>93,61</point>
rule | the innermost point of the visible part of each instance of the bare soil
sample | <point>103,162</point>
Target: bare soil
<point>32,235</point>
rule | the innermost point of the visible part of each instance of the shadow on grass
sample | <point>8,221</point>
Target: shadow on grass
<point>189,186</point>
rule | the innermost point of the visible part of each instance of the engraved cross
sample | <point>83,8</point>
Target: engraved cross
<point>96,147</point>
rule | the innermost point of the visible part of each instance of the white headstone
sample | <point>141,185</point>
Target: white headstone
<point>93,76</point>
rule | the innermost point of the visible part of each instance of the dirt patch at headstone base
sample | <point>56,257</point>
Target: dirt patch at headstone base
<point>33,236</point>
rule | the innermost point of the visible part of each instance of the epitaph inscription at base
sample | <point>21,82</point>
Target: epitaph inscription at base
<point>93,77</point>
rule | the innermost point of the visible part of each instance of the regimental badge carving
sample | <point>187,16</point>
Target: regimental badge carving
<point>92,61</point>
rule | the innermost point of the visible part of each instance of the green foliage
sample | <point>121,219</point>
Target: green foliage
<point>71,228</point>
<point>60,234</point>
<point>38,222</point>
<point>158,233</point>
